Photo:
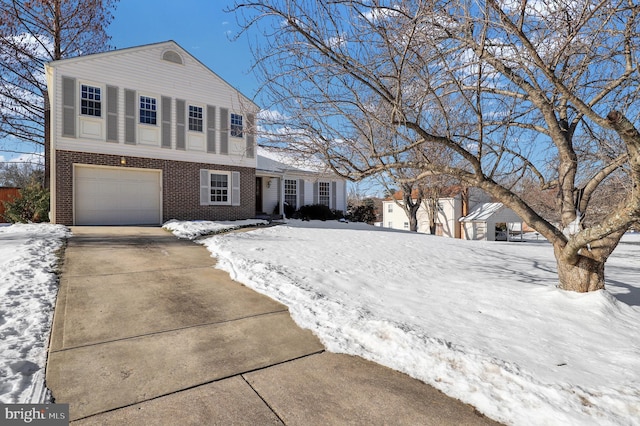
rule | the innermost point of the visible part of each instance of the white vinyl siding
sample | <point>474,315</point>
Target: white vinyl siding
<point>170,87</point>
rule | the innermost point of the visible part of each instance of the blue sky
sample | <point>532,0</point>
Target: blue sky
<point>199,26</point>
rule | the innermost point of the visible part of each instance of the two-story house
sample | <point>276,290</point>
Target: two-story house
<point>146,134</point>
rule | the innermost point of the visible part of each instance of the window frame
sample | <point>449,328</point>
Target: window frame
<point>190,118</point>
<point>328,193</point>
<point>390,208</point>
<point>154,116</point>
<point>228,187</point>
<point>236,125</point>
<point>290,184</point>
<point>93,102</point>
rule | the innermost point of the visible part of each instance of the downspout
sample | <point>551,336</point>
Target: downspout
<point>51,143</point>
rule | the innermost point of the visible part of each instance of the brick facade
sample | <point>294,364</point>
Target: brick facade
<point>180,186</point>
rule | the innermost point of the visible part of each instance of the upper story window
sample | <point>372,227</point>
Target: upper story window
<point>390,208</point>
<point>323,193</point>
<point>172,56</point>
<point>148,110</point>
<point>236,125</point>
<point>195,118</point>
<point>90,101</point>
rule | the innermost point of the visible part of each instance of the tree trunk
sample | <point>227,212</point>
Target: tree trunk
<point>413,221</point>
<point>585,275</point>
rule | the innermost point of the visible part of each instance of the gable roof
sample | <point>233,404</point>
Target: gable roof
<point>482,212</point>
<point>280,161</point>
<point>447,192</point>
<point>169,44</point>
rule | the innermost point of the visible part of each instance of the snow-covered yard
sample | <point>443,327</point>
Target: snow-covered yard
<point>481,321</point>
<point>28,288</point>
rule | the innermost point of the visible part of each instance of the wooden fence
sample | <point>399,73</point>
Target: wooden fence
<point>7,194</point>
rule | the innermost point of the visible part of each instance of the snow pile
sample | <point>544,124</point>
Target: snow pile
<point>482,321</point>
<point>192,230</point>
<point>28,288</point>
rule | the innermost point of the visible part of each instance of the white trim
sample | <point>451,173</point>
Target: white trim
<point>229,188</point>
<point>149,134</point>
<point>84,121</point>
<point>244,126</point>
<point>196,141</point>
<point>155,152</point>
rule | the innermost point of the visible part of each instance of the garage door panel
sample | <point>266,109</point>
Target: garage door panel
<point>118,196</point>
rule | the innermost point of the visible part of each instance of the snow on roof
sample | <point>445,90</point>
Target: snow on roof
<point>274,160</point>
<point>482,212</point>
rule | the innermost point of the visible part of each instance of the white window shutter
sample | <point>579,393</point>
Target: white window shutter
<point>235,188</point>
<point>205,193</point>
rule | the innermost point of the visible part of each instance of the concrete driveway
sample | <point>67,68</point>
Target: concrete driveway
<point>146,331</point>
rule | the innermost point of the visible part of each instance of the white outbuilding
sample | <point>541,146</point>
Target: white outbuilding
<point>491,222</point>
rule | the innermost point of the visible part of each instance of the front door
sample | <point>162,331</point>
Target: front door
<point>258,194</point>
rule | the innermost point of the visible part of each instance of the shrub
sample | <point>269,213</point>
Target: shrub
<point>289,211</point>
<point>362,213</point>
<point>31,206</point>
<point>316,212</point>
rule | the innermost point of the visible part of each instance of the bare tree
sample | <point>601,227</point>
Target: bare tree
<point>20,175</point>
<point>33,32</point>
<point>506,86</point>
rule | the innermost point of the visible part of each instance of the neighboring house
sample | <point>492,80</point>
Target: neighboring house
<point>282,178</point>
<point>146,134</point>
<point>491,222</point>
<point>451,221</point>
<point>449,210</point>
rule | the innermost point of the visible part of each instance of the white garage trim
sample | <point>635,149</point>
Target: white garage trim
<point>104,195</point>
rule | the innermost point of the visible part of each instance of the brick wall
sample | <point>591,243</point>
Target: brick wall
<point>180,183</point>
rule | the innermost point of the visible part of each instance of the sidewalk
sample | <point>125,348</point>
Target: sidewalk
<point>146,331</point>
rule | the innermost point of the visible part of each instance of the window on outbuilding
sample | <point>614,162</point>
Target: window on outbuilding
<point>90,101</point>
<point>390,208</point>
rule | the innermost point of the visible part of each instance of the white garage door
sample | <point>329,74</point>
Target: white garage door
<point>117,196</point>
